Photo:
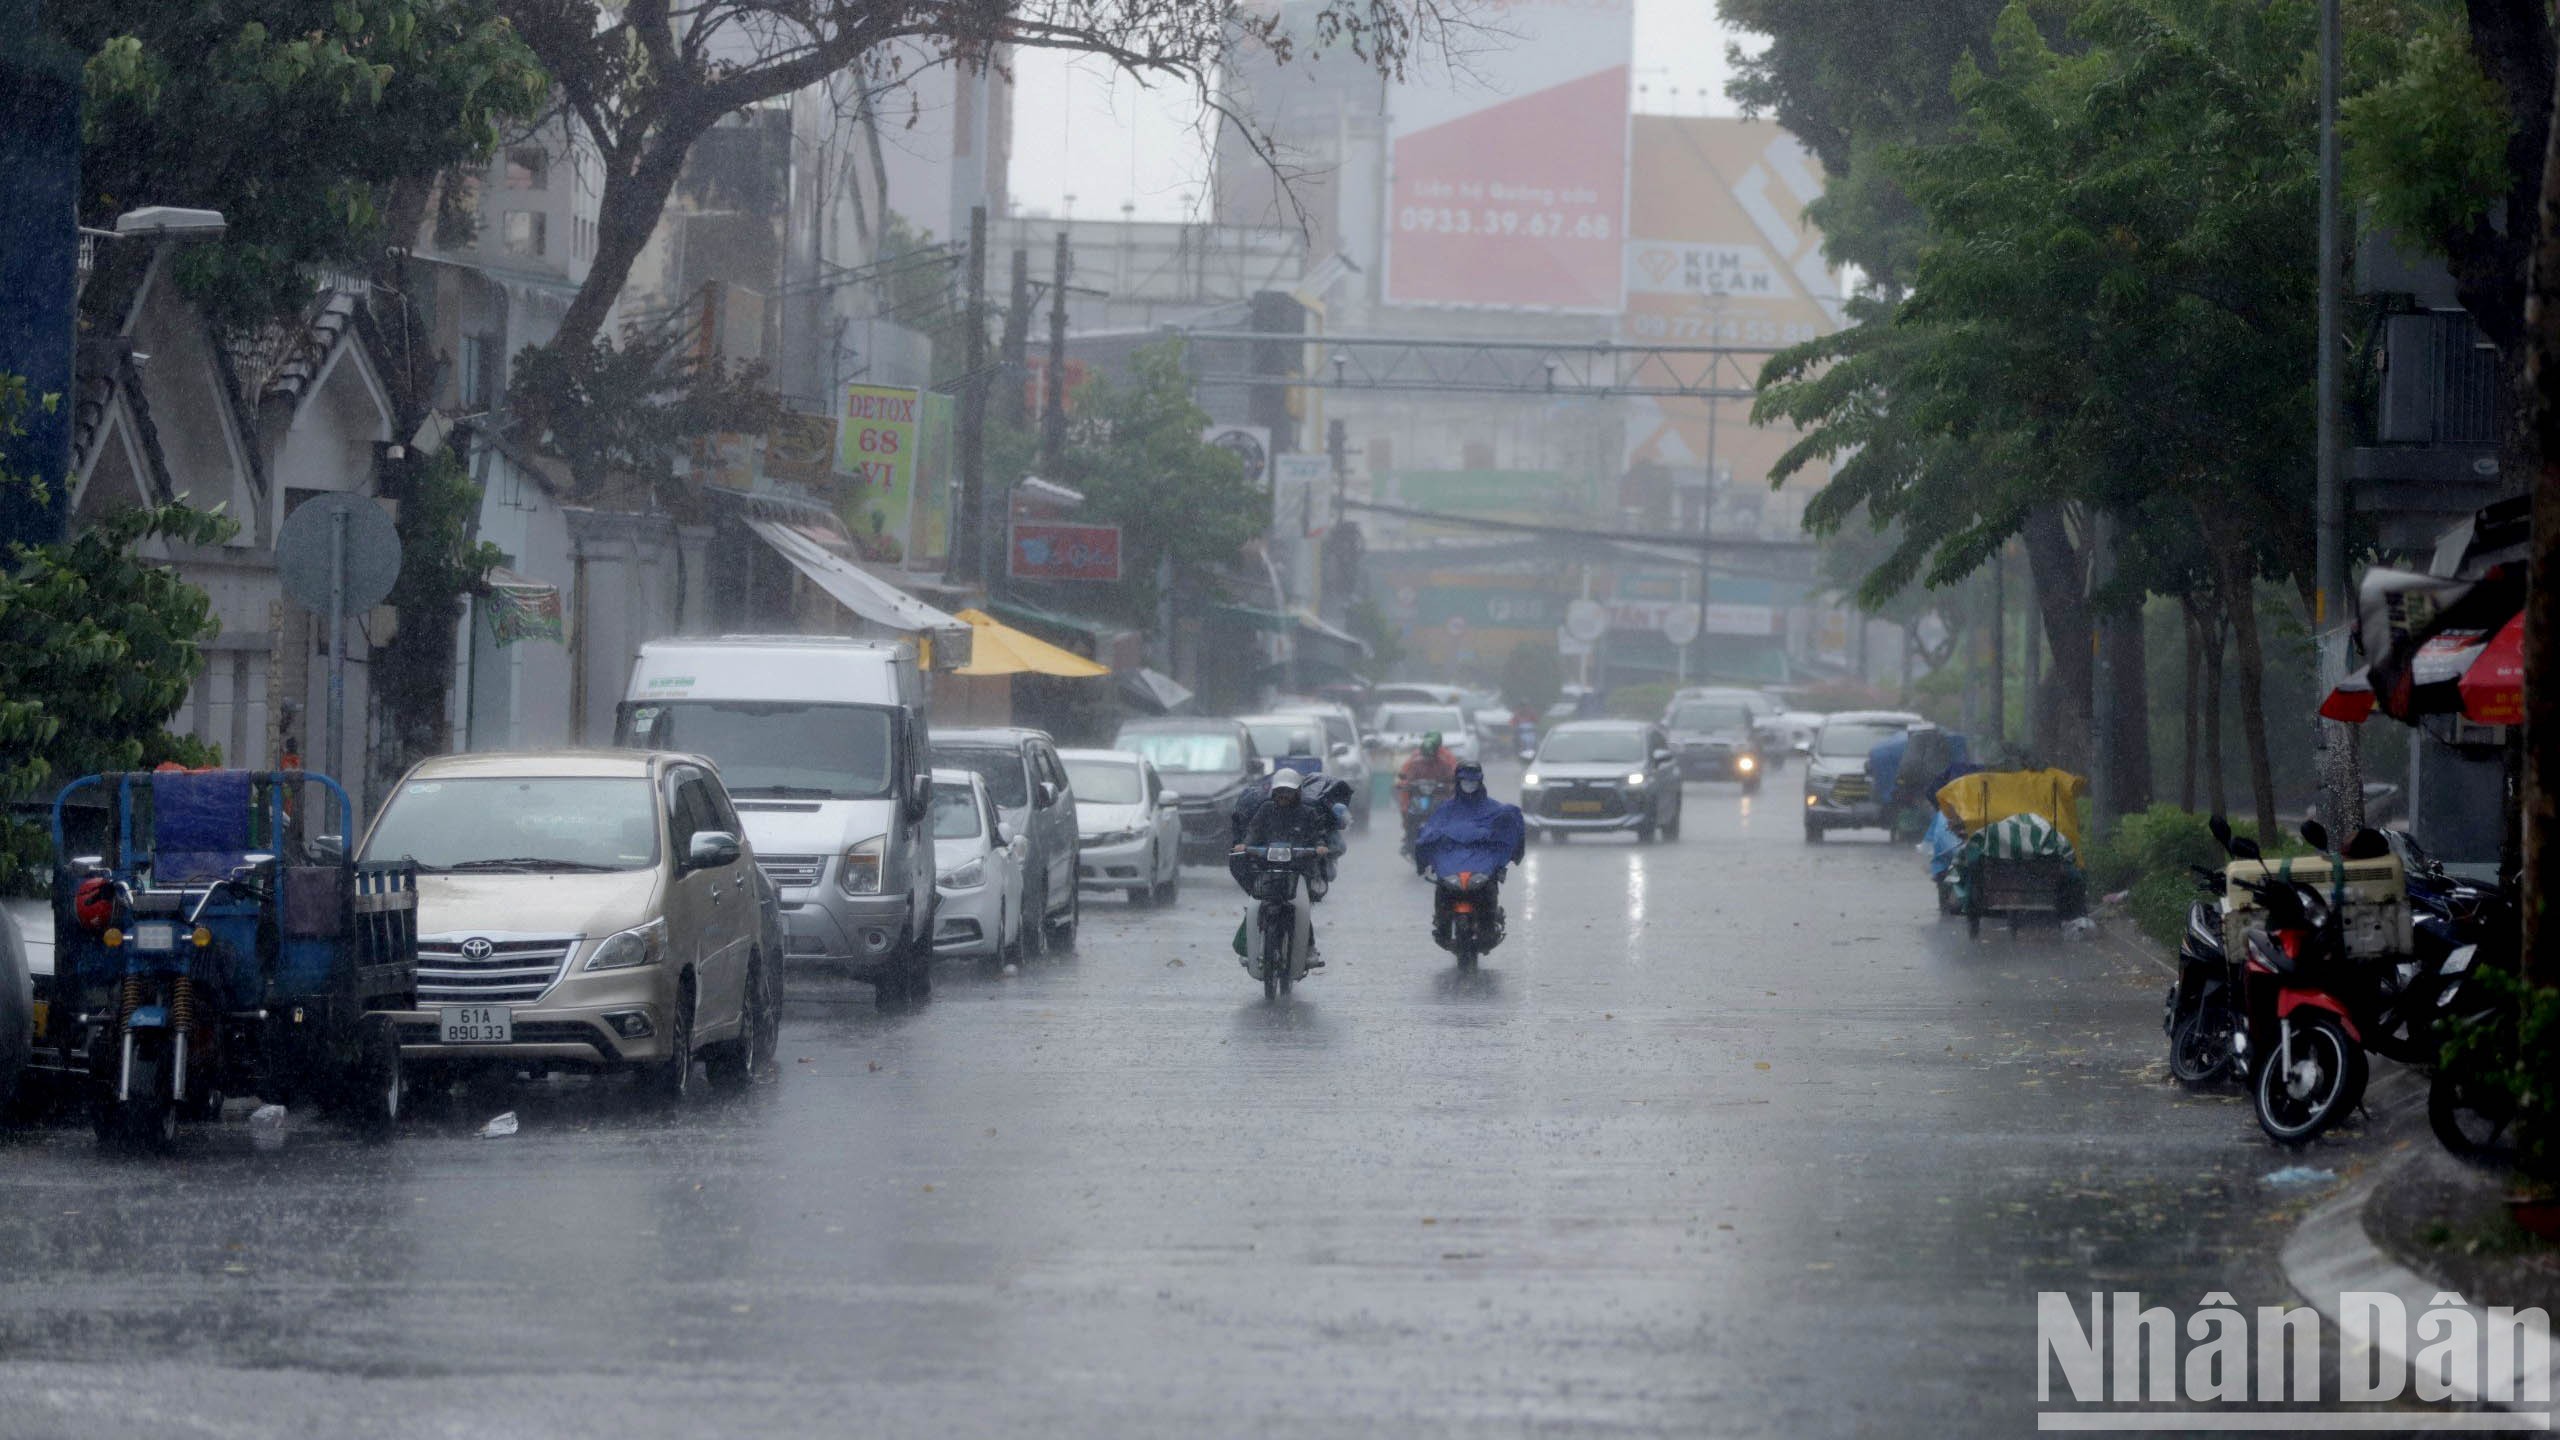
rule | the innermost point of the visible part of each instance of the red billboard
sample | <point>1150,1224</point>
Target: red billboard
<point>1510,176</point>
<point>1052,550</point>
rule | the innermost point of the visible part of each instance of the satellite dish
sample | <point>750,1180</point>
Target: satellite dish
<point>304,546</point>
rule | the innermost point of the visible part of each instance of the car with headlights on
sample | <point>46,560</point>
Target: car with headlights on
<point>1211,762</point>
<point>1838,792</point>
<point>1603,775</point>
<point>582,910</point>
<point>1132,825</point>
<point>978,909</point>
<point>1716,734</point>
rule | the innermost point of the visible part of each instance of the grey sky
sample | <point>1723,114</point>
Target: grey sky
<point>1081,130</point>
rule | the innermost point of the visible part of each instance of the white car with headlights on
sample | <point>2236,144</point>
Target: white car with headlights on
<point>584,910</point>
<point>978,909</point>
<point>1600,775</point>
<point>1131,825</point>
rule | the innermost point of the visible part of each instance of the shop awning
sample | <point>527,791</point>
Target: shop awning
<point>1154,690</point>
<point>1003,650</point>
<point>864,593</point>
<point>1292,622</point>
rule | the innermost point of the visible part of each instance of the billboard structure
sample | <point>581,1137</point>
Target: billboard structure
<point>1509,185</point>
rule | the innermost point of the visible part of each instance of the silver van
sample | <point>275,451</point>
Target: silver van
<point>822,744</point>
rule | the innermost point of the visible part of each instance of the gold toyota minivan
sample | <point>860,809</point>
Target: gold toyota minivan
<point>579,909</point>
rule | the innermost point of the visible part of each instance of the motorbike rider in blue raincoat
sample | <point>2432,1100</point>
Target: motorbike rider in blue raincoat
<point>1470,833</point>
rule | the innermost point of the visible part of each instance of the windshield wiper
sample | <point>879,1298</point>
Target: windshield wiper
<point>534,862</point>
<point>781,792</point>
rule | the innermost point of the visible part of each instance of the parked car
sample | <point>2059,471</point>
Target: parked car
<point>1400,727</point>
<point>979,911</point>
<point>1346,752</point>
<point>1838,794</point>
<point>823,744</point>
<point>1210,761</point>
<point>1038,803</point>
<point>1600,775</point>
<point>1131,824</point>
<point>1413,693</point>
<point>1279,735</point>
<point>582,910</point>
<point>1716,734</point>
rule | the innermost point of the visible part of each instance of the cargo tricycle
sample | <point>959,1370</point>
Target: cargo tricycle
<point>211,941</point>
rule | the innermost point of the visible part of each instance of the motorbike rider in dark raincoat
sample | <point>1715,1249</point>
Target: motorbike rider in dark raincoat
<point>1470,833</point>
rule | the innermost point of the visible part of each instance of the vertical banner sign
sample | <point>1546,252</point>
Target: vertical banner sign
<point>930,547</point>
<point>1510,181</point>
<point>876,428</point>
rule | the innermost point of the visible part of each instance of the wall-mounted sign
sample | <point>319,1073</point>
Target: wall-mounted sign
<point>1051,550</point>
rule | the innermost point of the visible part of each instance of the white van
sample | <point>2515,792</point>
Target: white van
<point>821,742</point>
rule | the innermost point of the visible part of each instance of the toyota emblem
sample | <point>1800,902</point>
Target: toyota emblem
<point>476,948</point>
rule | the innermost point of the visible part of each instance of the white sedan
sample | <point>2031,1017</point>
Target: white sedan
<point>978,884</point>
<point>1401,726</point>
<point>1131,825</point>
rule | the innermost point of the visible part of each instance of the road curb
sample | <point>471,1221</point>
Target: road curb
<point>2331,1252</point>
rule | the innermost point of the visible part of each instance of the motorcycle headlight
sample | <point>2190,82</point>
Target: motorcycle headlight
<point>967,877</point>
<point>639,945</point>
<point>860,873</point>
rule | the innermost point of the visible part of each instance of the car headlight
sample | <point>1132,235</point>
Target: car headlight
<point>967,877</point>
<point>1532,780</point>
<point>1746,764</point>
<point>1636,778</point>
<point>860,874</point>
<point>1811,799</point>
<point>639,945</point>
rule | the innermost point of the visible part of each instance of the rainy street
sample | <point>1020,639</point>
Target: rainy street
<point>1732,1135</point>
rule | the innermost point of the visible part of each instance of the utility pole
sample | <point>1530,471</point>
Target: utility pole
<point>2341,770</point>
<point>1053,417</point>
<point>1015,404</point>
<point>1706,532</point>
<point>970,527</point>
<point>1999,652</point>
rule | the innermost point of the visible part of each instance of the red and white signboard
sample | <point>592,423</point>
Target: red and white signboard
<point>1510,177</point>
<point>1052,550</point>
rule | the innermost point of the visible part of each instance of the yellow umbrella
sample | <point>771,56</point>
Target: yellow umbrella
<point>999,649</point>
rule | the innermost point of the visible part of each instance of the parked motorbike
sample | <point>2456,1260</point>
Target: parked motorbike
<point>1463,911</point>
<point>2201,1009</point>
<point>1423,796</point>
<point>1282,939</point>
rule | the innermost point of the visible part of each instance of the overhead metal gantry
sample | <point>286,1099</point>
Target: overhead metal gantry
<point>1591,370</point>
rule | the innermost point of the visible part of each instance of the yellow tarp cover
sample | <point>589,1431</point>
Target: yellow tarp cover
<point>1987,797</point>
<point>1003,650</point>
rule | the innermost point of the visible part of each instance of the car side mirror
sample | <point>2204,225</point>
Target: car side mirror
<point>1661,757</point>
<point>711,849</point>
<point>329,849</point>
<point>1802,747</point>
<point>1004,840</point>
<point>1344,751</point>
<point>919,797</point>
<point>1167,799</point>
<point>1048,793</point>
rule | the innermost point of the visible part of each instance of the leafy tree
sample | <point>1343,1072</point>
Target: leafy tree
<point>97,651</point>
<point>1134,450</point>
<point>294,118</point>
<point>1533,675</point>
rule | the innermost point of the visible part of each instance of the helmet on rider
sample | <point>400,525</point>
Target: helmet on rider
<point>1284,787</point>
<point>1430,742</point>
<point>1470,777</point>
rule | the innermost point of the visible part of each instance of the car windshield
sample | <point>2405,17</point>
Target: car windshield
<point>955,812</point>
<point>1713,716</point>
<point>1416,719</point>
<point>1106,782</point>
<point>1592,747</point>
<point>1285,737</point>
<point>1852,739</point>
<point>533,823</point>
<point>1188,752</point>
<point>776,749</point>
<point>1008,779</point>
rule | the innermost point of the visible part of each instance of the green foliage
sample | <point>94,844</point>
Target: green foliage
<point>1134,449</point>
<point>1367,619</point>
<point>97,651</point>
<point>2426,147</point>
<point>292,118</point>
<point>1533,675</point>
<point>2514,1049</point>
<point>439,561</point>
<point>2148,855</point>
<point>630,410</point>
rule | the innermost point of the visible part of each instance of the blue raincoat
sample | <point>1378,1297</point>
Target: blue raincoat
<point>1472,834</point>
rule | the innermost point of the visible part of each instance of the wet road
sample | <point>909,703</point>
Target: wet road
<point>1733,1136</point>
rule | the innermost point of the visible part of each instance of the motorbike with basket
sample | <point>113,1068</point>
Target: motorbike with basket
<point>211,948</point>
<point>1280,940</point>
